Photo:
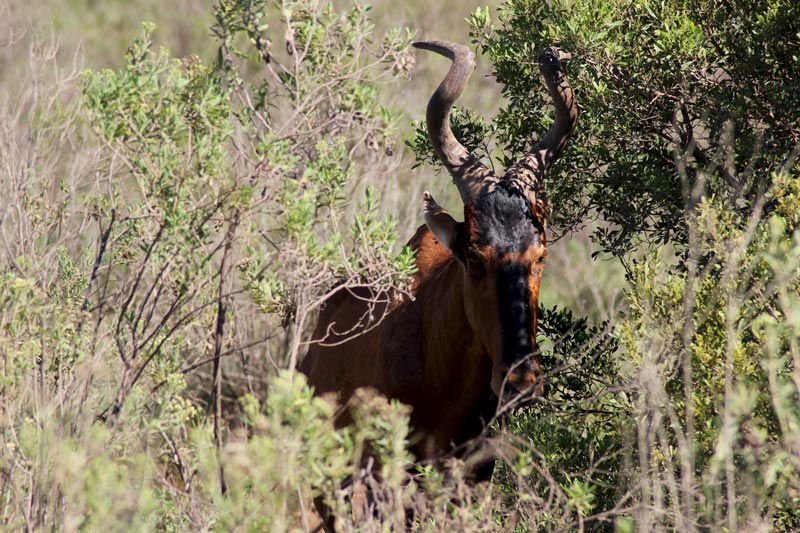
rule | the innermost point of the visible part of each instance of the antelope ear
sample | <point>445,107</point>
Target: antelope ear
<point>440,222</point>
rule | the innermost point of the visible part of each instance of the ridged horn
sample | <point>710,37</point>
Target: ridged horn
<point>472,177</point>
<point>527,174</point>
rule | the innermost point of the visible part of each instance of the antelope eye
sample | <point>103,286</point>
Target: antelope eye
<point>475,264</point>
<point>473,258</point>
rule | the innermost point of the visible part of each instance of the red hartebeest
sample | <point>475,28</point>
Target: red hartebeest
<point>468,335</point>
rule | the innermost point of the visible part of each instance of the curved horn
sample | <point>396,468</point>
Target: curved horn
<point>528,173</point>
<point>471,176</point>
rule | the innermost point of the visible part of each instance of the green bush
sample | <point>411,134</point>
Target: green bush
<point>673,95</point>
<point>209,210</point>
<point>686,152</point>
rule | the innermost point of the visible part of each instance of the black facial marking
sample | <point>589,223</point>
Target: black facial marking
<point>506,225</point>
<point>505,222</point>
<point>515,311</point>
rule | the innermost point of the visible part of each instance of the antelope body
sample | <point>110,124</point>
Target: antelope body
<point>468,335</point>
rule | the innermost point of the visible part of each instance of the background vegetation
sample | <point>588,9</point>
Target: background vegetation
<point>177,199</point>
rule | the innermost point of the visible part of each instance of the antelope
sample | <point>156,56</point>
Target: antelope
<point>465,337</point>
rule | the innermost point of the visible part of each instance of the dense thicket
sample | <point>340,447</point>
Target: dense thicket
<point>674,96</point>
<point>686,152</point>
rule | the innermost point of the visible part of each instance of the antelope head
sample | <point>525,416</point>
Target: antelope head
<point>501,244</point>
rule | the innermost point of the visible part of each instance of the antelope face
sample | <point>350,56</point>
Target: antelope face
<point>501,243</point>
<point>501,250</point>
<point>504,256</point>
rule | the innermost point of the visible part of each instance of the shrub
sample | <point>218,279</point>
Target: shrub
<point>684,140</point>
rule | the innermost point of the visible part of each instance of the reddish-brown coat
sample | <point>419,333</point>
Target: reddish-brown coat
<point>424,352</point>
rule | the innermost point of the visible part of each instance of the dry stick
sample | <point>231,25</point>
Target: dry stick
<point>219,334</point>
<point>692,198</point>
<point>131,375</point>
<point>105,235</point>
<point>128,301</point>
<point>180,322</point>
<point>297,337</point>
<point>730,281</point>
<point>179,301</point>
<point>155,286</point>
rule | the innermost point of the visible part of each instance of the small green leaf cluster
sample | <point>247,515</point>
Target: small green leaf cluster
<point>291,452</point>
<point>471,130</point>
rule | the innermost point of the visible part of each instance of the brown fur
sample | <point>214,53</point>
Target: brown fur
<point>435,352</point>
<point>422,353</point>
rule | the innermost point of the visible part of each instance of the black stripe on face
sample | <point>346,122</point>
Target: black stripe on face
<point>516,320</point>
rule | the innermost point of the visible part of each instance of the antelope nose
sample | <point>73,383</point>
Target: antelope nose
<point>525,378</point>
